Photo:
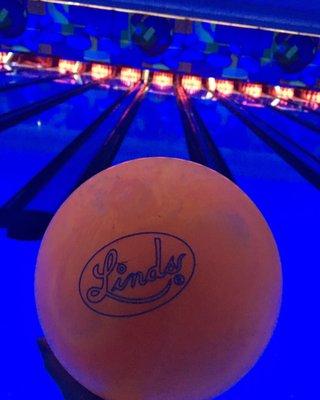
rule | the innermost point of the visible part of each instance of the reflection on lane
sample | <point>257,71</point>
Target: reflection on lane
<point>306,138</point>
<point>247,155</point>
<point>27,148</point>
<point>68,177</point>
<point>8,79</point>
<point>155,131</point>
<point>311,116</point>
<point>19,97</point>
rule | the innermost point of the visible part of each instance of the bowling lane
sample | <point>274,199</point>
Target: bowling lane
<point>20,97</point>
<point>7,79</point>
<point>306,138</point>
<point>155,131</point>
<point>67,178</point>
<point>246,154</point>
<point>239,146</point>
<point>291,206</point>
<point>27,148</point>
<point>310,116</point>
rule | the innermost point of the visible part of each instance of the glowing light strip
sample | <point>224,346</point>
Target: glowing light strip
<point>224,86</point>
<point>130,76</point>
<point>162,79</point>
<point>101,71</point>
<point>66,66</point>
<point>252,89</point>
<point>127,10</point>
<point>191,83</point>
<point>283,92</point>
<point>311,96</point>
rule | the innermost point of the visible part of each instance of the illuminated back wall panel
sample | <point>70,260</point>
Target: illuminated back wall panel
<point>198,48</point>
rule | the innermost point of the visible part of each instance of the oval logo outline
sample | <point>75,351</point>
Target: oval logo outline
<point>185,284</point>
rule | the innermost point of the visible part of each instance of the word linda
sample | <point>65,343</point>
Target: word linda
<point>113,268</point>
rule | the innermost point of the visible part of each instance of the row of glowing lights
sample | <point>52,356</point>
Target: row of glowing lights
<point>165,80</point>
<point>192,84</point>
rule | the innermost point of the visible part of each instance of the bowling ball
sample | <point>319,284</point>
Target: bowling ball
<point>153,35</point>
<point>294,52</point>
<point>13,18</point>
<point>158,279</point>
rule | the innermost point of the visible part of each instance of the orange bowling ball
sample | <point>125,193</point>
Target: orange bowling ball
<point>158,279</point>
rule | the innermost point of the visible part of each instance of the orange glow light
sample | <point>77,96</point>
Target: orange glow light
<point>283,92</point>
<point>99,71</point>
<point>3,57</point>
<point>311,96</point>
<point>130,76</point>
<point>191,84</point>
<point>315,97</point>
<point>252,90</point>
<point>162,79</point>
<point>224,87</point>
<point>67,66</point>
